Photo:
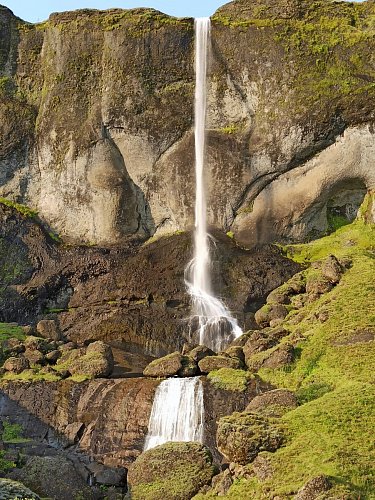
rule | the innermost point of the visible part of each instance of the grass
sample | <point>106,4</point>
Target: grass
<point>230,379</point>
<point>12,433</point>
<point>331,432</point>
<point>11,331</point>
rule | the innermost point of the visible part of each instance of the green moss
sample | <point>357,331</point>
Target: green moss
<point>12,433</point>
<point>31,375</point>
<point>230,235</point>
<point>230,379</point>
<point>5,464</point>
<point>11,331</point>
<point>332,436</point>
<point>22,209</point>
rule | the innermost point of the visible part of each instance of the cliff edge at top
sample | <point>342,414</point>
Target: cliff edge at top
<point>97,112</point>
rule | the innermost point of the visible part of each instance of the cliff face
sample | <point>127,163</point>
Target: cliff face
<point>97,119</point>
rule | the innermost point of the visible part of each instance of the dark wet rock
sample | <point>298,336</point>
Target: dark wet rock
<point>211,363</point>
<point>200,352</point>
<point>53,356</point>
<point>170,471</point>
<point>53,477</point>
<point>273,403</point>
<point>189,367</point>
<point>108,476</point>
<point>241,436</point>
<point>16,365</point>
<point>48,329</point>
<point>168,366</point>
<point>314,488</point>
<point>270,312</point>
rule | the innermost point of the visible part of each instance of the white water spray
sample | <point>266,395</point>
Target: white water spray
<point>177,412</point>
<point>213,322</point>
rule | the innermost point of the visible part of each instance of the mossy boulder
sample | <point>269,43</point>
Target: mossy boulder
<point>273,403</point>
<point>241,436</point>
<point>173,471</point>
<point>270,312</point>
<point>211,363</point>
<point>167,366</point>
<point>200,352</point>
<point>230,379</point>
<point>13,490</point>
<point>278,357</point>
<point>94,362</point>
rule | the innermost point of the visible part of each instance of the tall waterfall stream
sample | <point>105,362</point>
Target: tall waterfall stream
<point>178,412</point>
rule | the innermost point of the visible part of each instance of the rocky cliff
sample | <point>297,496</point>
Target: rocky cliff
<point>97,119</point>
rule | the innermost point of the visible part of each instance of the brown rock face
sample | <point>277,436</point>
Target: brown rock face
<point>314,488</point>
<point>107,419</point>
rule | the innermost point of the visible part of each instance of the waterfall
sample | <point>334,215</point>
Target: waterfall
<point>212,322</point>
<point>177,412</point>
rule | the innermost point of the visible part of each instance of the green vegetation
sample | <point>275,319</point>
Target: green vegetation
<point>31,375</point>
<point>12,433</point>
<point>22,209</point>
<point>230,379</point>
<point>331,432</point>
<point>5,464</point>
<point>8,331</point>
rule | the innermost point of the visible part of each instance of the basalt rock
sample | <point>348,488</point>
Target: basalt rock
<point>102,181</point>
<point>16,365</point>
<point>11,490</point>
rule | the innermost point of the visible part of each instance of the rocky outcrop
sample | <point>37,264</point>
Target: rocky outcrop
<point>107,419</point>
<point>170,471</point>
<point>133,296</point>
<point>275,67</point>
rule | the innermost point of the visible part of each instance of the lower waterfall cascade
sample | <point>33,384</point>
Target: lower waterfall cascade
<point>177,412</point>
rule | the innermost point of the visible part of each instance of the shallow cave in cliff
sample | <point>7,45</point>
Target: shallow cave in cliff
<point>344,200</point>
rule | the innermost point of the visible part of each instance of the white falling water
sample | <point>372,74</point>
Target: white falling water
<point>177,412</point>
<point>213,322</point>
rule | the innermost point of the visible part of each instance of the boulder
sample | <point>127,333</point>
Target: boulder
<point>277,358</point>
<point>235,352</point>
<point>222,482</point>
<point>48,329</point>
<point>95,362</point>
<point>241,436</point>
<point>273,403</point>
<point>171,471</point>
<point>34,357</point>
<point>317,284</point>
<point>263,340</point>
<point>13,490</point>
<point>53,356</point>
<point>16,365</point>
<point>332,269</point>
<point>189,367</point>
<point>168,366</point>
<point>200,352</point>
<point>108,476</point>
<point>270,312</point>
<point>211,363</point>
<point>53,477</point>
<point>314,488</point>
